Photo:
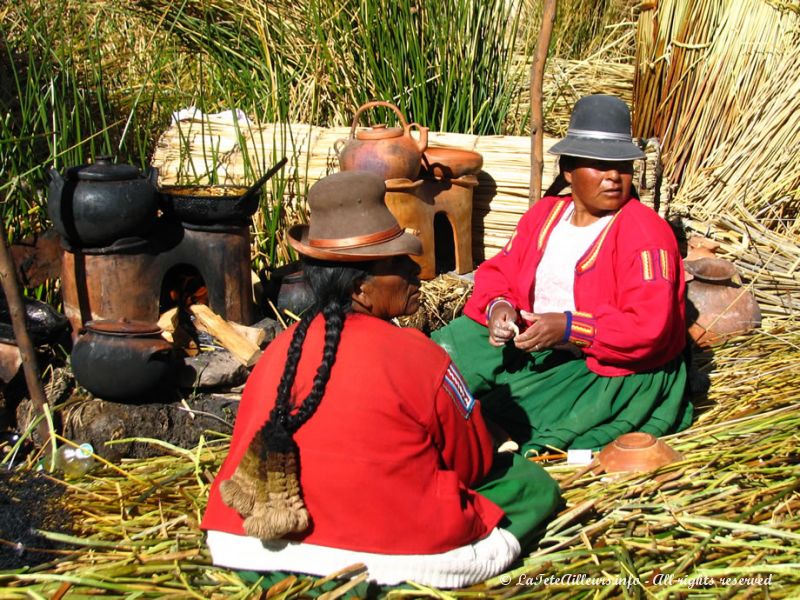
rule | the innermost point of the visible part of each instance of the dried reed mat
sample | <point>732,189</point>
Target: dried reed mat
<point>733,510</point>
<point>183,155</point>
<point>700,67</point>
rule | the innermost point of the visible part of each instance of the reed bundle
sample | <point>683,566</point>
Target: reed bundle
<point>700,67</point>
<point>218,149</point>
<point>754,165</point>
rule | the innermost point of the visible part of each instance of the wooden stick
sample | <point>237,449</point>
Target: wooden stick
<point>243,349</point>
<point>17,311</point>
<point>537,116</point>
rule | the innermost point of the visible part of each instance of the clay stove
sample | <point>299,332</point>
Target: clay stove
<point>127,279</point>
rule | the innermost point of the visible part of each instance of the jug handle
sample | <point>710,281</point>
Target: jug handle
<point>373,104</point>
<point>422,143</point>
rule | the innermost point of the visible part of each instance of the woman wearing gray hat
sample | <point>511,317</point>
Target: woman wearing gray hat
<point>357,441</point>
<point>574,331</point>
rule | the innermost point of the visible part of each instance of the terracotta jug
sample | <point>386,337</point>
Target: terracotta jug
<point>717,306</point>
<point>391,152</point>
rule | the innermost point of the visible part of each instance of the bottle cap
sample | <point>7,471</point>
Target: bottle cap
<point>84,451</point>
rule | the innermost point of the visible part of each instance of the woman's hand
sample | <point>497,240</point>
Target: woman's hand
<point>502,324</point>
<point>545,331</point>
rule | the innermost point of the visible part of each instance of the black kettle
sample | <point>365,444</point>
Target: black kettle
<point>97,204</point>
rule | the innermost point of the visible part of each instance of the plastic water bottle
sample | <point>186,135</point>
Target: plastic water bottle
<point>75,462</point>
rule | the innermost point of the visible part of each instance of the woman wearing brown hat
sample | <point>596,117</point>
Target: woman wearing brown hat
<point>357,441</point>
<point>574,331</point>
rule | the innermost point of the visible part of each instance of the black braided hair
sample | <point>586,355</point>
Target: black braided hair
<point>567,163</point>
<point>332,285</point>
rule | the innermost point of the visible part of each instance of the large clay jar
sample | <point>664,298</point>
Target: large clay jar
<point>122,360</point>
<point>390,152</point>
<point>98,204</point>
<point>717,306</point>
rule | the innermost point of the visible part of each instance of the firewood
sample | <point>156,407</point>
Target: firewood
<point>167,322</point>
<point>223,331</point>
<point>254,334</point>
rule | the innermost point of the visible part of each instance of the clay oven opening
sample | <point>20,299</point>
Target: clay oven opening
<point>445,250</point>
<point>181,287</point>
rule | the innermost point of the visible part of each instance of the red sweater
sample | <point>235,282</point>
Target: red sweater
<point>387,461</point>
<point>629,286</point>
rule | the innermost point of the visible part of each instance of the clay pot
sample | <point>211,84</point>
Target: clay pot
<point>701,247</point>
<point>450,163</point>
<point>122,360</point>
<point>98,204</point>
<point>636,452</point>
<point>390,152</point>
<point>717,306</point>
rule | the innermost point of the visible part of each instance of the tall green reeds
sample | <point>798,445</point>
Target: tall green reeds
<point>446,63</point>
<point>66,97</point>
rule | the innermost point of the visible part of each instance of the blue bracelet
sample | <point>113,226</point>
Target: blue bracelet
<point>568,330</point>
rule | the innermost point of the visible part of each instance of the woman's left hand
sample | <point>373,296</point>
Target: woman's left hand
<point>545,331</point>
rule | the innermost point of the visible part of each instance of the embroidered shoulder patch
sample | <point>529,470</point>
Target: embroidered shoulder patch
<point>457,389</point>
<point>666,269</point>
<point>647,265</point>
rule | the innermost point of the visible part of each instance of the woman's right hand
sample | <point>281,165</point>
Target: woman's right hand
<point>502,324</point>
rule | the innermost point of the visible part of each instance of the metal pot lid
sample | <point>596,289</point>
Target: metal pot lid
<point>123,327</point>
<point>105,170</point>
<point>380,132</point>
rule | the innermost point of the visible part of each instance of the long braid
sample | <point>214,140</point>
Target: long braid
<point>283,407</point>
<point>265,487</point>
<point>334,314</point>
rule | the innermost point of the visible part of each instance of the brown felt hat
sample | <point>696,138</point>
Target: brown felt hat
<point>350,221</point>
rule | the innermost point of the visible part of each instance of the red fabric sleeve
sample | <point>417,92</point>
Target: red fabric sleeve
<point>649,313</point>
<point>459,431</point>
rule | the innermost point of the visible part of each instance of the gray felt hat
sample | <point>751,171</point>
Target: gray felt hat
<point>600,127</point>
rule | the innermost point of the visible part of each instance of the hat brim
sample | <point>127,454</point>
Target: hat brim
<point>598,149</point>
<point>404,244</point>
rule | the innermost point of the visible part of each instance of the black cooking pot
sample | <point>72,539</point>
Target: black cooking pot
<point>122,360</point>
<point>95,205</point>
<point>209,204</point>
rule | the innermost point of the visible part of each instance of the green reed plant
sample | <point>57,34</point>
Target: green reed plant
<point>66,98</point>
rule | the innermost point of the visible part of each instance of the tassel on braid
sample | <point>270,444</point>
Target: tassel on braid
<point>265,488</point>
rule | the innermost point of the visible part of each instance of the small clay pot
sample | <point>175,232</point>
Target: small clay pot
<point>636,452</point>
<point>717,306</point>
<point>450,163</point>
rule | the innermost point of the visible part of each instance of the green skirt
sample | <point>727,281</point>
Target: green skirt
<point>550,398</point>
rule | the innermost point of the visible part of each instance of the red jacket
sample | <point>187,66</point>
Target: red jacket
<point>629,286</point>
<point>387,460</point>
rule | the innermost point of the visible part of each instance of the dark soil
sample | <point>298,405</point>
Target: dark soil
<point>30,502</point>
